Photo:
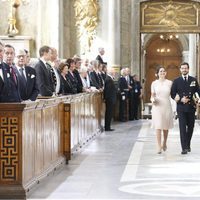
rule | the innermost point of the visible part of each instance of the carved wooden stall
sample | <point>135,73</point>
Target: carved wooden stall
<point>37,137</point>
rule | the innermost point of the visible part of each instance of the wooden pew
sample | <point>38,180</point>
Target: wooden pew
<point>38,137</point>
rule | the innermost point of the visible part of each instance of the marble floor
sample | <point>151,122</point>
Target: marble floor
<point>123,164</point>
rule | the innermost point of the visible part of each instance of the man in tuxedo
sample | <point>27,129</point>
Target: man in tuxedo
<point>110,96</point>
<point>182,91</point>
<point>100,56</point>
<point>44,77</point>
<point>26,78</point>
<point>9,86</point>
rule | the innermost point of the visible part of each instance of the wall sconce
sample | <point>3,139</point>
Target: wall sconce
<point>14,4</point>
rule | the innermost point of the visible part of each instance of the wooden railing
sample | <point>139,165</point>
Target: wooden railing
<point>37,137</point>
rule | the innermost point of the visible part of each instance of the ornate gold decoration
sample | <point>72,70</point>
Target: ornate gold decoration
<point>9,152</point>
<point>171,15</point>
<point>87,18</point>
<point>14,4</point>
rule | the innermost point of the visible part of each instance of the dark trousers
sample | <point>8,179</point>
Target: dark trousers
<point>122,109</point>
<point>130,99</point>
<point>108,113</point>
<point>136,104</point>
<point>186,126</point>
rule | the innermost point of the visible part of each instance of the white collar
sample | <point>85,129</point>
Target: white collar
<point>44,61</point>
<point>185,76</point>
<point>18,67</point>
<point>110,76</point>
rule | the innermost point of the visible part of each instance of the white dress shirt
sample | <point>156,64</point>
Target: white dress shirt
<point>57,80</point>
<point>18,68</point>
<point>1,73</point>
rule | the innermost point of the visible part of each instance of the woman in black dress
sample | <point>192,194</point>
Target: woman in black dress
<point>66,85</point>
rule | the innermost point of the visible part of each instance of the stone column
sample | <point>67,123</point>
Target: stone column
<point>114,33</point>
<point>47,24</point>
<point>61,30</point>
<point>135,37</point>
<point>192,54</point>
<point>185,56</point>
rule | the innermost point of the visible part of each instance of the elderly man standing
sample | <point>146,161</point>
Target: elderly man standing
<point>26,77</point>
<point>9,86</point>
<point>100,56</point>
<point>53,65</point>
<point>110,96</point>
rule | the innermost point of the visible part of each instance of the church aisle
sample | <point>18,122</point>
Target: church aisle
<point>123,164</point>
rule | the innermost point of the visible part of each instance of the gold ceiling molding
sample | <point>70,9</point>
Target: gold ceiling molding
<point>170,16</point>
<point>87,18</point>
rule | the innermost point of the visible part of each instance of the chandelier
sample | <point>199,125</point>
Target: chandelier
<point>14,4</point>
<point>169,36</point>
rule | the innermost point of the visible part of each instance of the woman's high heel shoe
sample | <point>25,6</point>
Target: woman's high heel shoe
<point>164,147</point>
<point>159,151</point>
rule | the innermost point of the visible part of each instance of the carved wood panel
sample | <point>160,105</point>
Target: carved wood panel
<point>9,151</point>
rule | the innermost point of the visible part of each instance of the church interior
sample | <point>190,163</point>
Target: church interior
<point>56,146</point>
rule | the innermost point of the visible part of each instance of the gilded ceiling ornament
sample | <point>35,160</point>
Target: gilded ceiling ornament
<point>87,18</point>
<point>172,14</point>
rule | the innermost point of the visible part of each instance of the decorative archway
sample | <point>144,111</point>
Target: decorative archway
<point>168,16</point>
<point>159,52</point>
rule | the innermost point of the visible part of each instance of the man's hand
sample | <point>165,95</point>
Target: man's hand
<point>185,99</point>
<point>177,98</point>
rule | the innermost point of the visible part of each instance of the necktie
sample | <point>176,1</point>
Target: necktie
<point>128,81</point>
<point>53,75</point>
<point>185,78</point>
<point>22,74</point>
<point>13,75</point>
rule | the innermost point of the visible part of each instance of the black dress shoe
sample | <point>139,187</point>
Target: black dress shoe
<point>110,129</point>
<point>188,150</point>
<point>184,151</point>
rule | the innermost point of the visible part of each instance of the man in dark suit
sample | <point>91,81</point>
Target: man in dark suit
<point>183,90</point>
<point>129,80</point>
<point>44,77</point>
<point>27,78</point>
<point>95,76</point>
<point>9,86</point>
<point>77,61</point>
<point>53,66</point>
<point>110,95</point>
<point>123,95</point>
<point>136,95</point>
<point>100,56</point>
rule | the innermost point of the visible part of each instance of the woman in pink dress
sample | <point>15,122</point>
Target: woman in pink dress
<point>162,115</point>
